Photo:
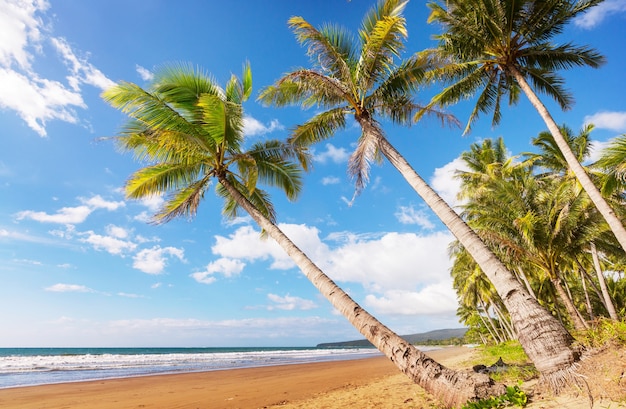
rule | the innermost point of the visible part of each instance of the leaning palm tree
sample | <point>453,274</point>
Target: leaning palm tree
<point>362,80</point>
<point>501,47</point>
<point>191,130</point>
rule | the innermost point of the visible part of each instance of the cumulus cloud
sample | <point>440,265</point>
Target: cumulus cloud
<point>597,14</point>
<point>110,244</point>
<point>226,266</point>
<point>444,182</point>
<point>144,73</point>
<point>154,260</point>
<point>330,180</point>
<point>36,99</point>
<point>431,300</point>
<point>289,303</point>
<point>614,121</point>
<point>410,215</point>
<point>69,288</point>
<point>332,154</point>
<point>71,215</point>
<point>381,263</point>
<point>253,127</point>
<point>65,215</point>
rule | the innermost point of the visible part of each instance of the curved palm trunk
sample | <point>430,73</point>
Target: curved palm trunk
<point>587,299</point>
<point>605,291</point>
<point>453,388</point>
<point>585,181</point>
<point>578,322</point>
<point>544,339</point>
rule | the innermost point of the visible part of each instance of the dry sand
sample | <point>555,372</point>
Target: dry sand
<point>362,383</point>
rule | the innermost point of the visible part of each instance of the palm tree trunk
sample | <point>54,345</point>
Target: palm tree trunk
<point>505,322</point>
<point>587,299</point>
<point>453,388</point>
<point>494,331</point>
<point>585,181</point>
<point>605,292</point>
<point>529,288</point>
<point>544,339</point>
<point>579,324</point>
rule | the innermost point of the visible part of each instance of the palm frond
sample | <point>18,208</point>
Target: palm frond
<point>319,128</point>
<point>330,48</point>
<point>183,202</point>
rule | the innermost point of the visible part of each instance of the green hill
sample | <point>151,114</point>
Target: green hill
<point>430,337</point>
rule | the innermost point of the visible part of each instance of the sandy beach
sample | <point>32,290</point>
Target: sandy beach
<point>295,386</point>
<point>361,383</point>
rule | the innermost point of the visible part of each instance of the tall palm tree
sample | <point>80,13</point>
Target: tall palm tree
<point>501,47</point>
<point>553,162</point>
<point>191,131</point>
<point>361,79</point>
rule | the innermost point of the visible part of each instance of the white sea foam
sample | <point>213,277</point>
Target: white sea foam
<point>28,369</point>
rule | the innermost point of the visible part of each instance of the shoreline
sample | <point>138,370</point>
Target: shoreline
<point>259,387</point>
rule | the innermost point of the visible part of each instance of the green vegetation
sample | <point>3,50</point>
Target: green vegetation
<point>604,332</point>
<point>518,367</point>
<point>514,396</point>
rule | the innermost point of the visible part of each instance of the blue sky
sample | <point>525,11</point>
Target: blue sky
<point>79,265</point>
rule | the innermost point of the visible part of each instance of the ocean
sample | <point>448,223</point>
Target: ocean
<point>39,366</point>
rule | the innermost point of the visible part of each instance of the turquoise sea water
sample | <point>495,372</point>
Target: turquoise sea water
<point>38,366</point>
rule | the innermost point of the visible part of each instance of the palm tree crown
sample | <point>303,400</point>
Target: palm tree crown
<point>486,43</point>
<point>360,78</point>
<point>191,130</point>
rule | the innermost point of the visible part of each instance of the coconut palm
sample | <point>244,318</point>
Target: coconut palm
<point>613,161</point>
<point>191,130</point>
<point>361,79</point>
<point>500,47</point>
<point>553,162</point>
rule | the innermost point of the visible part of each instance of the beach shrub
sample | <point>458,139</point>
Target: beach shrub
<point>514,396</point>
<point>603,332</point>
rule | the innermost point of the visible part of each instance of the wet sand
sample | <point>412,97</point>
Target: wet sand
<point>295,386</point>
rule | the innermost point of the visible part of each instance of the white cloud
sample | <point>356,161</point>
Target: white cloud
<point>144,73</point>
<point>330,180</point>
<point>383,262</point>
<point>290,303</point>
<point>153,260</point>
<point>597,14</point>
<point>110,244</point>
<point>19,29</point>
<point>37,100</point>
<point>117,232</point>
<point>82,72</point>
<point>444,182</point>
<point>226,266</point>
<point>34,98</point>
<point>409,215</point>
<point>69,288</point>
<point>71,215</point>
<point>65,215</point>
<point>595,150</point>
<point>97,202</point>
<point>433,299</point>
<point>253,127</point>
<point>333,154</point>
<point>614,121</point>
<point>153,203</point>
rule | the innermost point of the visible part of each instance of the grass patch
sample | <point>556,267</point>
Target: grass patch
<point>518,366</point>
<point>603,332</point>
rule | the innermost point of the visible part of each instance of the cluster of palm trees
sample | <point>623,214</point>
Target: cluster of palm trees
<point>550,235</point>
<point>190,130</point>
